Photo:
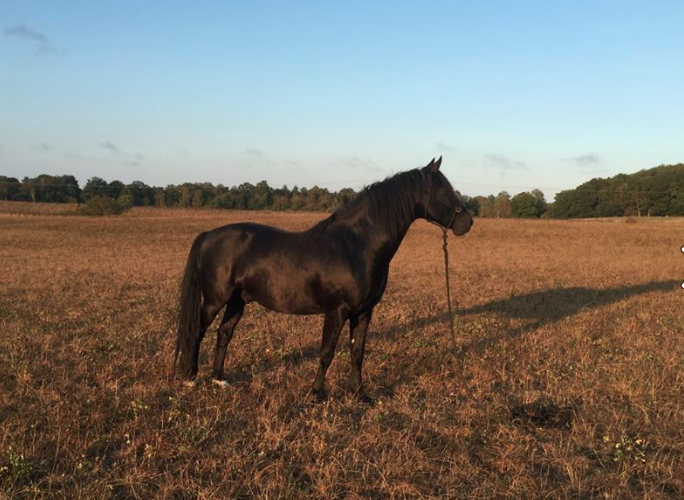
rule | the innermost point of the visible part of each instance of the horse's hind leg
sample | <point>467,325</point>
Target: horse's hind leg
<point>207,314</point>
<point>334,321</point>
<point>358,326</point>
<point>231,317</point>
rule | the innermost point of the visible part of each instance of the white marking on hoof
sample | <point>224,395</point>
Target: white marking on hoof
<point>221,383</point>
<point>190,383</point>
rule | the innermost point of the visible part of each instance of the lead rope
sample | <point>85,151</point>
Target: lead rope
<point>454,347</point>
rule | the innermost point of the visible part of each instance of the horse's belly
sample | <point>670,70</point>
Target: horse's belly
<point>280,293</point>
<point>297,293</point>
<point>284,303</point>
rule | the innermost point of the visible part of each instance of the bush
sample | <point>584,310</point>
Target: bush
<point>101,205</point>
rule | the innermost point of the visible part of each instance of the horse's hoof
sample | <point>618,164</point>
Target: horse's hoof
<point>365,398</point>
<point>223,384</point>
<point>190,383</point>
<point>319,396</point>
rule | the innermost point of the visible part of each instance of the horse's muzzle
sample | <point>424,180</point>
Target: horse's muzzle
<point>462,224</point>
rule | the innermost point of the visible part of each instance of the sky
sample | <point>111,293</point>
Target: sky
<point>515,95</point>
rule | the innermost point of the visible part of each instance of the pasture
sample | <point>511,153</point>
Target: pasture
<point>569,382</point>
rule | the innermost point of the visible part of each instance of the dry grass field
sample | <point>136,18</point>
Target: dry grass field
<point>569,382</point>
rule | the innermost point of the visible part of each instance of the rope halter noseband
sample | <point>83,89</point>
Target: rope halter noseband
<point>457,210</point>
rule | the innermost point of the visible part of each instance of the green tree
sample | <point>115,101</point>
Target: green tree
<point>10,189</point>
<point>540,205</point>
<point>502,204</point>
<point>159,198</point>
<point>262,196</point>
<point>523,206</point>
<point>115,188</point>
<point>470,204</point>
<point>196,198</point>
<point>95,186</point>
<point>51,189</point>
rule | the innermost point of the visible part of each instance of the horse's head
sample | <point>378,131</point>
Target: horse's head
<point>440,203</point>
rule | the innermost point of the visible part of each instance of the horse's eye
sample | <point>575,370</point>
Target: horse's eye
<point>459,210</point>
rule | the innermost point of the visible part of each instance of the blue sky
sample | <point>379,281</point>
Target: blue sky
<point>514,95</point>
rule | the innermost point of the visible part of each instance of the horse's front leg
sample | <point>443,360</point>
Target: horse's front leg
<point>332,325</point>
<point>358,326</point>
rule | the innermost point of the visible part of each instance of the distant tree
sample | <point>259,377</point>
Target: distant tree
<point>125,201</point>
<point>29,189</point>
<point>648,192</point>
<point>281,202</point>
<point>540,205</point>
<point>185,196</point>
<point>159,198</point>
<point>483,208</point>
<point>10,189</point>
<point>529,205</point>
<point>344,196</point>
<point>196,198</point>
<point>114,189</point>
<point>502,204</point>
<point>578,203</point>
<point>523,206</point>
<point>470,204</point>
<point>244,196</point>
<point>95,186</point>
<point>262,196</point>
<point>51,189</point>
<point>298,199</point>
<point>657,191</point>
<point>676,201</point>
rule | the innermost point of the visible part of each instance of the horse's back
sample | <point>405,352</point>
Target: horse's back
<point>302,273</point>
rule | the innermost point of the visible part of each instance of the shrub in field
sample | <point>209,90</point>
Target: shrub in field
<point>101,205</point>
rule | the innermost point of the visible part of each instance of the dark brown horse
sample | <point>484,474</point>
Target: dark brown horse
<point>337,268</point>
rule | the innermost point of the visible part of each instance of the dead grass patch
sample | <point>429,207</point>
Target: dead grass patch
<point>555,319</point>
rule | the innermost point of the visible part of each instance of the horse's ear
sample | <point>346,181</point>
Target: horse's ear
<point>436,165</point>
<point>433,166</point>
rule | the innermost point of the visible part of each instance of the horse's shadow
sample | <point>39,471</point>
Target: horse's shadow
<point>535,309</point>
<point>551,306</point>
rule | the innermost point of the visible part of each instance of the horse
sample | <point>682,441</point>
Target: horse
<point>338,268</point>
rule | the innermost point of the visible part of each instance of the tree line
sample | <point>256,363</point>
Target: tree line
<point>656,191</point>
<point>246,196</point>
<point>116,196</point>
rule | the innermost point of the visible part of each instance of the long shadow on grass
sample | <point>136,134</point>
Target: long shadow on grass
<point>537,308</point>
<point>550,306</point>
<point>541,308</point>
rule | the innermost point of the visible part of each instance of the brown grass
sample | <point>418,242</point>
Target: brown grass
<point>27,208</point>
<point>569,385</point>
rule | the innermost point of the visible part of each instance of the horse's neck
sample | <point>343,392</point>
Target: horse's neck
<point>390,239</point>
<point>387,232</point>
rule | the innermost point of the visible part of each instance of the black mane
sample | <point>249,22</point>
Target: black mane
<point>390,202</point>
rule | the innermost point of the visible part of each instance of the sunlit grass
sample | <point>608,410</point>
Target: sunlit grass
<point>580,317</point>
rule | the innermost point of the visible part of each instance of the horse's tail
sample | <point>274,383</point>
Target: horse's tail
<point>189,314</point>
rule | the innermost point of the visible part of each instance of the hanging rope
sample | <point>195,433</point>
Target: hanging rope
<point>445,229</point>
<point>454,346</point>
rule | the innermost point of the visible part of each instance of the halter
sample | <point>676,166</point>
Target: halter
<point>445,230</point>
<point>457,210</point>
